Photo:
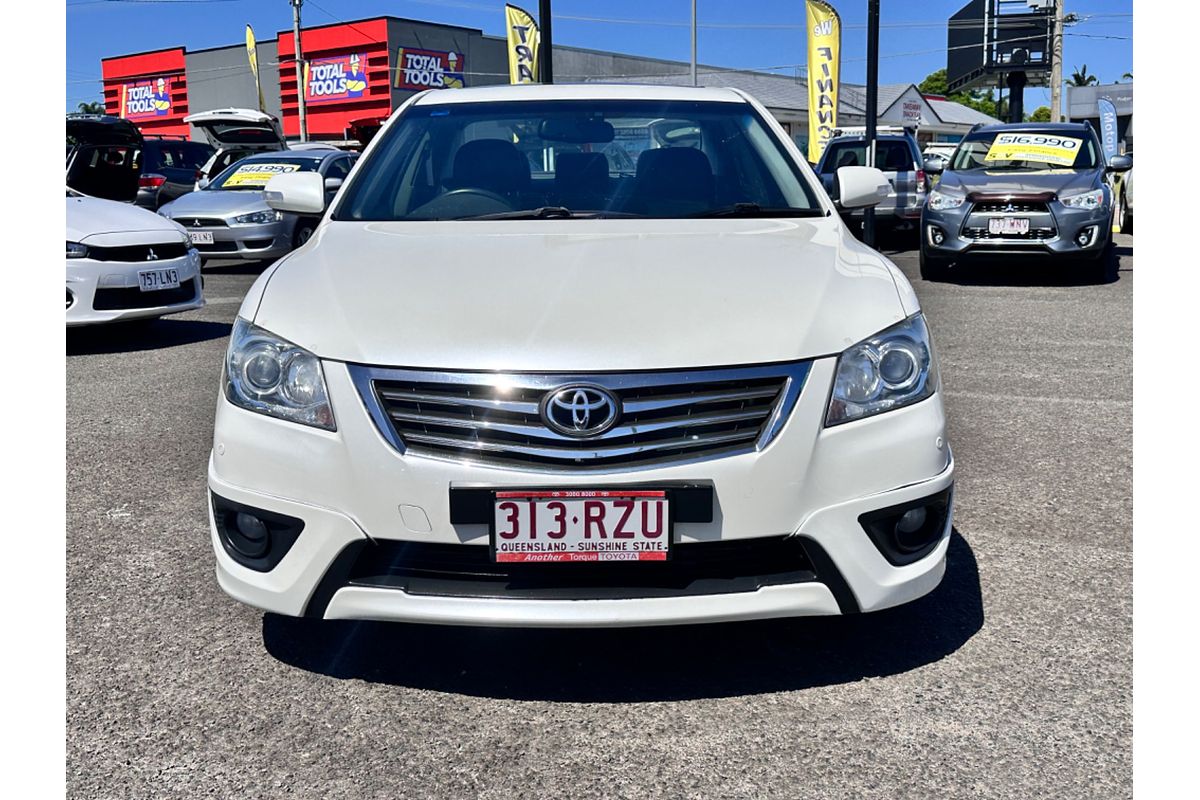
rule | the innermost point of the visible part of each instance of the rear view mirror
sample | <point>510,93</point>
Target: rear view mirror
<point>298,192</point>
<point>576,130</point>
<point>1120,164</point>
<point>934,165</point>
<point>333,184</point>
<point>861,187</point>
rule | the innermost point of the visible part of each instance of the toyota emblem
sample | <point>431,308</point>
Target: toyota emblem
<point>580,410</point>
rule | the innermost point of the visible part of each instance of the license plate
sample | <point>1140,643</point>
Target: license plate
<point>1008,226</point>
<point>152,280</point>
<point>581,525</point>
<point>201,237</point>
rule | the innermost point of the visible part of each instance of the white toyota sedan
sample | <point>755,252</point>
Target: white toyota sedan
<point>580,356</point>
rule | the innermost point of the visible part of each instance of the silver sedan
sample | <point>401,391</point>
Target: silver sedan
<point>230,219</point>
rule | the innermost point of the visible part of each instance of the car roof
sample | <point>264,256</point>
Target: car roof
<point>579,91</point>
<point>310,154</point>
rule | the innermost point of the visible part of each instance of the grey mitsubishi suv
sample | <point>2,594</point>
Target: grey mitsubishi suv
<point>1019,191</point>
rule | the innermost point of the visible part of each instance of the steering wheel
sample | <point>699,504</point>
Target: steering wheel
<point>467,191</point>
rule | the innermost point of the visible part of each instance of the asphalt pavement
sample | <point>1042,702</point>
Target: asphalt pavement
<point>1011,680</point>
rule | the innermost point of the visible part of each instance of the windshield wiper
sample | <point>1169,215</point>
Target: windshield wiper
<point>755,210</point>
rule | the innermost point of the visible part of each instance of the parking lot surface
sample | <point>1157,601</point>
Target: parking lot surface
<point>1012,679</point>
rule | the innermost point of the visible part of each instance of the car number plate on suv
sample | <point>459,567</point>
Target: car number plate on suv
<point>581,525</point>
<point>201,237</point>
<point>152,280</point>
<point>1008,226</point>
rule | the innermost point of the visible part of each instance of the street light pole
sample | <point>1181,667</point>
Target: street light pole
<point>300,88</point>
<point>1056,64</point>
<point>872,107</point>
<point>546,47</point>
<point>694,83</point>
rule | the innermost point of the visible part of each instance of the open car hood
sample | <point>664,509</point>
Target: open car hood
<point>239,127</point>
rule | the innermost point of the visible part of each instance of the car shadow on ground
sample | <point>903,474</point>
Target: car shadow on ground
<point>131,337</point>
<point>646,664</point>
<point>1033,272</point>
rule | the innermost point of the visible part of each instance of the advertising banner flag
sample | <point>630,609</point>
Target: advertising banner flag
<point>523,40</point>
<point>338,78</point>
<point>252,54</point>
<point>824,66</point>
<point>1108,127</point>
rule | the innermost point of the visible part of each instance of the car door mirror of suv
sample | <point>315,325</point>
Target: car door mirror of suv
<point>333,184</point>
<point>860,187</point>
<point>298,192</point>
<point>934,165</point>
<point>1120,164</point>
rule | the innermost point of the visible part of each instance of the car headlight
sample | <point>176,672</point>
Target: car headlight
<point>272,376</point>
<point>892,369</point>
<point>1087,200</point>
<point>258,218</point>
<point>76,250</point>
<point>940,201</point>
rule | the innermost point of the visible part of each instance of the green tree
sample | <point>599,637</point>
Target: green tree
<point>1040,114</point>
<point>94,107</point>
<point>979,99</point>
<point>1081,77</point>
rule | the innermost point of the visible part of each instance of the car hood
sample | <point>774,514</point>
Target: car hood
<point>107,223</point>
<point>1058,181</point>
<point>579,295</point>
<point>215,203</point>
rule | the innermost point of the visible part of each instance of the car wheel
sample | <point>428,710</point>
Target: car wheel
<point>933,268</point>
<point>1103,268</point>
<point>304,232</point>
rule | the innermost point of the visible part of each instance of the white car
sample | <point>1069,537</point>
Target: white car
<point>123,262</point>
<point>510,382</point>
<point>235,133</point>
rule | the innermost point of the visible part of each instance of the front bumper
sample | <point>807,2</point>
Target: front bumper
<point>113,286</point>
<point>272,240</point>
<point>1066,224</point>
<point>352,490</point>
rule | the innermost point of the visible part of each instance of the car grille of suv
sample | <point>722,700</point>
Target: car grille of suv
<point>664,416</point>
<point>1041,221</point>
<point>140,252</point>
<point>1015,207</point>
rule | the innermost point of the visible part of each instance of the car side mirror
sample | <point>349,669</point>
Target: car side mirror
<point>333,184</point>
<point>934,165</point>
<point>861,187</point>
<point>1120,164</point>
<point>298,192</point>
<point>202,183</point>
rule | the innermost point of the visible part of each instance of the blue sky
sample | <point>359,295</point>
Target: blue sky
<point>912,38</point>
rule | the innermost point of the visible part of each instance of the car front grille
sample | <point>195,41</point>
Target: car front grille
<point>663,416</point>
<point>217,247</point>
<point>1035,234</point>
<point>131,298</point>
<point>1015,207</point>
<point>140,252</point>
<point>201,222</point>
<point>1041,222</point>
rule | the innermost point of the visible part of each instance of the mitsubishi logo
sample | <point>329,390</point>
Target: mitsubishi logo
<point>152,256</point>
<point>195,223</point>
<point>580,410</point>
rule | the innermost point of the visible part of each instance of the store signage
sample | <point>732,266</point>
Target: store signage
<point>429,69</point>
<point>146,99</point>
<point>910,111</point>
<point>338,78</point>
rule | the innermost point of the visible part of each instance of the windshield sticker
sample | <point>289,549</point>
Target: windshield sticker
<point>1033,147</point>
<point>257,174</point>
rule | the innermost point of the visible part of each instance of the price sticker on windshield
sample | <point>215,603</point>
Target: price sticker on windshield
<point>257,175</point>
<point>1059,150</point>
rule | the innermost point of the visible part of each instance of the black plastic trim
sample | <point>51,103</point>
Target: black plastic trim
<point>337,576</point>
<point>879,526</point>
<point>284,531</point>
<point>828,574</point>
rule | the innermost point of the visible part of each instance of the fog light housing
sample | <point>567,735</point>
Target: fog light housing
<point>253,537</point>
<point>1086,236</point>
<point>936,236</point>
<point>909,531</point>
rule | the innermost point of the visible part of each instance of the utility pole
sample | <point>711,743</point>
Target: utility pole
<point>1056,64</point>
<point>546,47</point>
<point>300,87</point>
<point>694,83</point>
<point>872,107</point>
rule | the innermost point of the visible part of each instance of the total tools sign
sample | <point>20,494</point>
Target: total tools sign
<point>337,78</point>
<point>146,99</point>
<point>429,69</point>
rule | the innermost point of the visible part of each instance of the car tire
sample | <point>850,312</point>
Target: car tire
<point>933,268</point>
<point>1103,268</point>
<point>304,231</point>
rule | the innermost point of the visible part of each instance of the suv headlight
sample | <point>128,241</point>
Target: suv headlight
<point>940,201</point>
<point>1088,200</point>
<point>76,250</point>
<point>272,376</point>
<point>892,369</point>
<point>258,218</point>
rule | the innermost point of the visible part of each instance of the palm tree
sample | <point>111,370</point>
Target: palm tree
<point>1127,76</point>
<point>1080,77</point>
<point>93,107</point>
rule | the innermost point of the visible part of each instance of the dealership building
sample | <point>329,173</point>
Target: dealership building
<point>360,71</point>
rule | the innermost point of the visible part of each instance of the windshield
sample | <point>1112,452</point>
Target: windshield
<point>253,175</point>
<point>890,156</point>
<point>567,158</point>
<point>1024,151</point>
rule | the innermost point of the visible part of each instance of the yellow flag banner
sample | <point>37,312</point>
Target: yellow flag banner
<point>252,53</point>
<point>824,66</point>
<point>523,39</point>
